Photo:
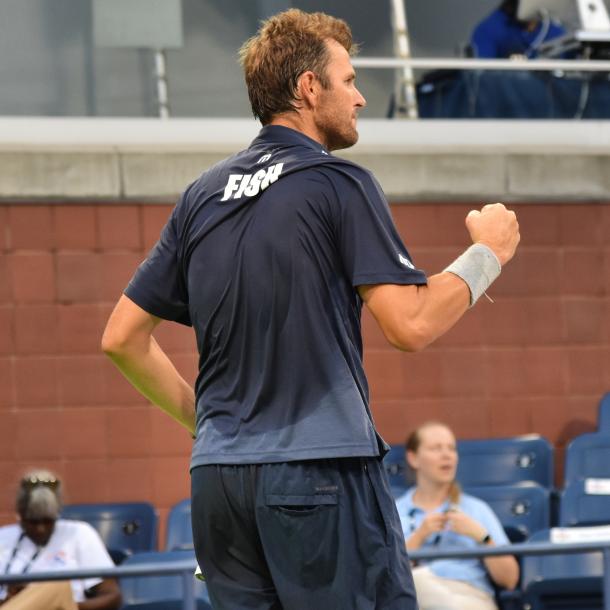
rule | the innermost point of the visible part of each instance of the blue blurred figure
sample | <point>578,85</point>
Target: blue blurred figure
<point>502,35</point>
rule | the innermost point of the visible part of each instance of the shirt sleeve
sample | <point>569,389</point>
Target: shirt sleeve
<point>91,553</point>
<point>371,249</point>
<point>492,524</point>
<point>158,285</point>
<point>483,42</point>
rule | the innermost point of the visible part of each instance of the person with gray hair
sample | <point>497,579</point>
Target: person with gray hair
<point>41,542</point>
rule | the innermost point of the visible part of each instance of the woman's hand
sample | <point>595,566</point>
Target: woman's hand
<point>464,525</point>
<point>432,523</point>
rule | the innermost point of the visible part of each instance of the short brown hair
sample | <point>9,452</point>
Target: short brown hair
<point>285,46</point>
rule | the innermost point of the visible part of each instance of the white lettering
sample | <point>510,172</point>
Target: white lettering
<point>250,185</point>
<point>405,261</point>
<point>232,184</point>
<point>242,187</point>
<point>273,173</point>
<point>255,184</point>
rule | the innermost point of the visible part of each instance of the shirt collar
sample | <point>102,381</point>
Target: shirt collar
<point>285,136</point>
<point>410,506</point>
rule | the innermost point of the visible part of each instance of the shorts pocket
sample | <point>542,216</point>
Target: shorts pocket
<point>300,537</point>
<point>301,505</point>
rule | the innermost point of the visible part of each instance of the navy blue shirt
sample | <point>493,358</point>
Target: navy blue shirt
<point>262,255</point>
<point>499,36</point>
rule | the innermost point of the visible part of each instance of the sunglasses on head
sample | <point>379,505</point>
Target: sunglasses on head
<point>31,482</point>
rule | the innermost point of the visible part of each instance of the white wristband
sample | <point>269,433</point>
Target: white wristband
<point>478,267</point>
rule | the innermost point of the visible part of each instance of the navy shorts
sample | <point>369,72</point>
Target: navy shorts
<point>312,535</point>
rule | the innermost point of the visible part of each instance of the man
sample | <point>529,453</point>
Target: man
<point>42,542</point>
<point>502,35</point>
<point>269,255</point>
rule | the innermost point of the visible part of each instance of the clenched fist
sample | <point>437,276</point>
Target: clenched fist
<point>495,227</point>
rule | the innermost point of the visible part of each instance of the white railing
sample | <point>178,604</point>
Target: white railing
<point>451,63</point>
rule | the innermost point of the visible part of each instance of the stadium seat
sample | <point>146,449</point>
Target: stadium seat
<point>157,592</point>
<point>577,507</point>
<point>395,466</point>
<point>179,532</point>
<point>603,414</point>
<point>505,461</point>
<point>125,528</point>
<point>523,508</point>
<point>570,581</point>
<point>588,456</point>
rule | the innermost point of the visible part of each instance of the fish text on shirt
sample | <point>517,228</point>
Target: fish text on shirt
<point>250,185</point>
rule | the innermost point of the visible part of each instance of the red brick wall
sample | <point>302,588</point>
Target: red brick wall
<point>537,360</point>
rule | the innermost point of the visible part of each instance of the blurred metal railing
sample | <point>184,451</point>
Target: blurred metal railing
<point>451,63</point>
<point>186,568</point>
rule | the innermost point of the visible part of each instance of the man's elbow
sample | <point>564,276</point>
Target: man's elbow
<point>513,581</point>
<point>410,337</point>
<point>510,577</point>
<point>114,343</point>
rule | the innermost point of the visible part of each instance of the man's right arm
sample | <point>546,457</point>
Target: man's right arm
<point>129,343</point>
<point>411,317</point>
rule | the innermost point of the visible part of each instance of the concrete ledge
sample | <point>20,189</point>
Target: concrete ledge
<point>551,176</point>
<point>153,160</point>
<point>162,175</point>
<point>426,176</point>
<point>47,175</point>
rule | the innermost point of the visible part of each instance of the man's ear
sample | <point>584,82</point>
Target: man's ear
<point>308,87</point>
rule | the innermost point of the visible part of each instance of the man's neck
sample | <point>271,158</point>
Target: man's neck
<point>295,121</point>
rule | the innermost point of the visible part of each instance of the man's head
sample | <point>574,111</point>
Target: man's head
<point>39,504</point>
<point>300,61</point>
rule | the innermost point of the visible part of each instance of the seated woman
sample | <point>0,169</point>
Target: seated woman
<point>436,514</point>
<point>42,542</point>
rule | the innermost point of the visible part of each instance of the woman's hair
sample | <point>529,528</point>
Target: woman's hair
<point>285,46</point>
<point>39,495</point>
<point>414,441</point>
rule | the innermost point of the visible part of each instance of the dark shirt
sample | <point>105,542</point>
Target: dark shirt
<point>262,255</point>
<point>499,36</point>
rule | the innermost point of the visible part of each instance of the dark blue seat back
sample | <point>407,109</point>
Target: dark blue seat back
<point>179,531</point>
<point>561,581</point>
<point>157,592</point>
<point>603,414</point>
<point>523,508</point>
<point>577,507</point>
<point>505,461</point>
<point>125,528</point>
<point>396,468</point>
<point>588,456</point>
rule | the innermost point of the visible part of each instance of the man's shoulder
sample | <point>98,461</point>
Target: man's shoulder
<point>74,527</point>
<point>346,173</point>
<point>9,532</point>
<point>496,20</point>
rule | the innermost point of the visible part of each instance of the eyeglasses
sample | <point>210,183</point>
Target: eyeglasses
<point>31,482</point>
<point>48,521</point>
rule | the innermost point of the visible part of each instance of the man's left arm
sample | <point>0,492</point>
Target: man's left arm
<point>129,343</point>
<point>104,596</point>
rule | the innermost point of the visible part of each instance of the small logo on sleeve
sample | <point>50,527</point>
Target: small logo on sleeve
<point>250,185</point>
<point>405,261</point>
